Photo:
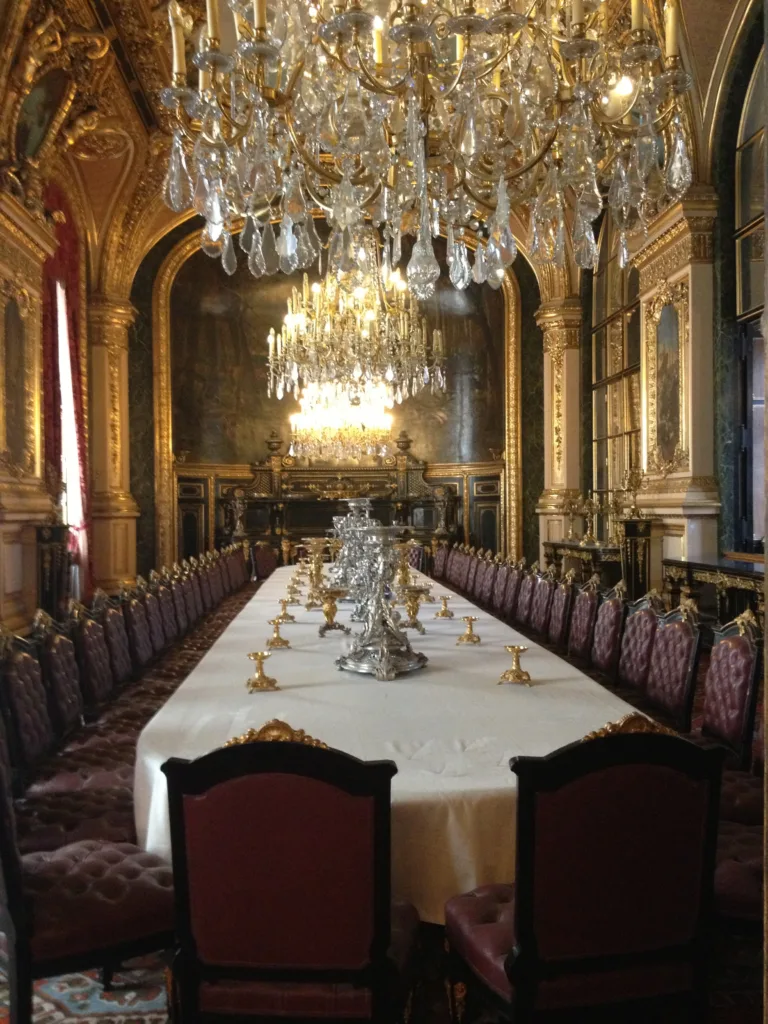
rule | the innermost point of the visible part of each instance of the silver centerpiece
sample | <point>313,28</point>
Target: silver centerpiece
<point>381,649</point>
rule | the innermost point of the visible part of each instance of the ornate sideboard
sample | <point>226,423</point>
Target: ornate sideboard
<point>722,587</point>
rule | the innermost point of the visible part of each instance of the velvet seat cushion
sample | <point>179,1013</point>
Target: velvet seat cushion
<point>334,1001</point>
<point>739,871</point>
<point>52,820</point>
<point>480,928</point>
<point>105,766</point>
<point>93,895</point>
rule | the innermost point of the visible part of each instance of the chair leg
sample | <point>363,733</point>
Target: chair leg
<point>20,985</point>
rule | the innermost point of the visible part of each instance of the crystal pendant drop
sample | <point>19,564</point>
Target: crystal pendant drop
<point>256,255</point>
<point>216,210</point>
<point>246,235</point>
<point>271,258</point>
<point>494,268</point>
<point>585,249</point>
<point>679,173</point>
<point>286,246</point>
<point>423,268</point>
<point>460,272</point>
<point>201,194</point>
<point>449,245</point>
<point>479,272</point>
<point>177,190</point>
<point>228,257</point>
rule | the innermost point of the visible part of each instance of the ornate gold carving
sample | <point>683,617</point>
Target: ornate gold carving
<point>276,731</point>
<point>718,579</point>
<point>677,296</point>
<point>114,409</point>
<point>561,324</point>
<point>631,723</point>
<point>688,239</point>
<point>746,623</point>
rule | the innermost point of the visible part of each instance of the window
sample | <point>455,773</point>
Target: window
<point>71,476</point>
<point>750,299</point>
<point>616,410</point>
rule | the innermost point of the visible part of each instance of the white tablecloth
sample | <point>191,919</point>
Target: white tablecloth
<point>450,729</point>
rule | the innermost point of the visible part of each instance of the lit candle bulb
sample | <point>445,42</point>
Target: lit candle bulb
<point>205,78</point>
<point>271,343</point>
<point>279,345</point>
<point>637,15</point>
<point>259,14</point>
<point>460,48</point>
<point>214,23</point>
<point>176,20</point>
<point>378,40</point>
<point>577,12</point>
<point>672,43</point>
<point>497,79</point>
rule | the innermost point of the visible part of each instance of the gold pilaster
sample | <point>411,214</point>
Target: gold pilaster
<point>113,507</point>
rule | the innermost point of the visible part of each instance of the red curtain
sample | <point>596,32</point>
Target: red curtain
<point>64,267</point>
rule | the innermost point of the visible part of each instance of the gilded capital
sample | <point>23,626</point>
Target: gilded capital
<point>680,236</point>
<point>105,312</point>
<point>560,320</point>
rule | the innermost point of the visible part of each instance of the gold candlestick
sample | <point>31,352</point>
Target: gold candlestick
<point>285,615</point>
<point>276,640</point>
<point>445,612</point>
<point>259,681</point>
<point>293,595</point>
<point>330,597</point>
<point>412,595</point>
<point>470,637</point>
<point>515,674</point>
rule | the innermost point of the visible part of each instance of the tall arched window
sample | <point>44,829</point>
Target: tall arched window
<point>616,407</point>
<point>750,299</point>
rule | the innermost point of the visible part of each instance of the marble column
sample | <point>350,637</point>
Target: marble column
<point>113,508</point>
<point>560,322</point>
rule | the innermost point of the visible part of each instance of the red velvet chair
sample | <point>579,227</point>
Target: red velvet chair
<point>637,643</point>
<point>281,859</point>
<point>560,613</point>
<point>613,894</point>
<point>87,904</point>
<point>582,623</point>
<point>606,638</point>
<point>671,682</point>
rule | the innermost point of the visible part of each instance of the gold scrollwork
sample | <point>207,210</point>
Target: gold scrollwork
<point>276,731</point>
<point>677,297</point>
<point>635,722</point>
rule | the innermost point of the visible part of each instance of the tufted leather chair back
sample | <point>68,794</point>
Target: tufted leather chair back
<point>205,590</point>
<point>416,558</point>
<point>168,613</point>
<point>441,558</point>
<point>479,580</point>
<point>672,672</point>
<point>450,558</point>
<point>96,679</point>
<point>636,647</point>
<point>189,601</point>
<point>180,606</point>
<point>226,579</point>
<point>472,567</point>
<point>463,569</point>
<point>486,591</point>
<point>560,614</point>
<point>155,622</point>
<point>511,594</point>
<point>541,605</point>
<point>525,598</point>
<point>266,561</point>
<point>139,637</point>
<point>25,706</point>
<point>197,595</point>
<point>118,645</point>
<point>500,586</point>
<point>582,625</point>
<point>217,589</point>
<point>62,678</point>
<point>606,640</point>
<point>731,691</point>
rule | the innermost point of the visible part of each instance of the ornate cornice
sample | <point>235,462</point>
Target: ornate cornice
<point>680,236</point>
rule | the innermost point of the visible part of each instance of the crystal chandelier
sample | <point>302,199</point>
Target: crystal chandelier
<point>421,118</point>
<point>333,426</point>
<point>348,342</point>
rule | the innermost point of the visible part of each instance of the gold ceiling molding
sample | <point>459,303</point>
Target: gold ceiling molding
<point>146,51</point>
<point>165,497</point>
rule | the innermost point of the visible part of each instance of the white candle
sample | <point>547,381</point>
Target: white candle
<point>259,14</point>
<point>205,78</point>
<point>271,343</point>
<point>672,44</point>
<point>177,38</point>
<point>637,15</point>
<point>577,12</point>
<point>378,40</point>
<point>214,24</point>
<point>460,47</point>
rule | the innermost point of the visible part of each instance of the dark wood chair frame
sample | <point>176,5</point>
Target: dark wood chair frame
<point>545,774</point>
<point>353,776</point>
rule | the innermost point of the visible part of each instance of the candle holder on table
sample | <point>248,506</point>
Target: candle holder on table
<point>413,595</point>
<point>260,681</point>
<point>285,615</point>
<point>444,612</point>
<point>330,596</point>
<point>515,674</point>
<point>277,641</point>
<point>470,637</point>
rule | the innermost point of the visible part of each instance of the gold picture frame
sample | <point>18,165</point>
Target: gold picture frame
<point>667,334</point>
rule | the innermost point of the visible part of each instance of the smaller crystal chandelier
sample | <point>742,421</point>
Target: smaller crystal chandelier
<point>350,341</point>
<point>333,426</point>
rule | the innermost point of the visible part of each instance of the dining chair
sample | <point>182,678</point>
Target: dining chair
<point>485,593</point>
<point>281,860</point>
<point>671,682</point>
<point>560,612</point>
<point>499,588</point>
<point>511,594</point>
<point>541,603</point>
<point>582,625</point>
<point>637,643</point>
<point>110,615</point>
<point>613,893</point>
<point>606,638</point>
<point>525,596</point>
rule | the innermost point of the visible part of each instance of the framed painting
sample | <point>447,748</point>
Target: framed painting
<point>667,333</point>
<point>41,112</point>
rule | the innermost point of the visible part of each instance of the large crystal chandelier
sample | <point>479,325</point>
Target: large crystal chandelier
<point>348,342</point>
<point>423,119</point>
<point>333,426</point>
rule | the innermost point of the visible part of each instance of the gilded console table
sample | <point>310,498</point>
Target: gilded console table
<point>724,587</point>
<point>586,559</point>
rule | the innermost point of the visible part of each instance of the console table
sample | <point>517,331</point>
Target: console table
<point>585,559</point>
<point>724,587</point>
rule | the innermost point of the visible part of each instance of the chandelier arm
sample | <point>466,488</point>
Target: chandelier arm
<point>535,159</point>
<point>326,173</point>
<point>296,74</point>
<point>374,85</point>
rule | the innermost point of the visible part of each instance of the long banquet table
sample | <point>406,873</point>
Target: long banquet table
<point>450,729</point>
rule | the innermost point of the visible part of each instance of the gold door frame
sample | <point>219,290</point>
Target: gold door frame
<point>165,468</point>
